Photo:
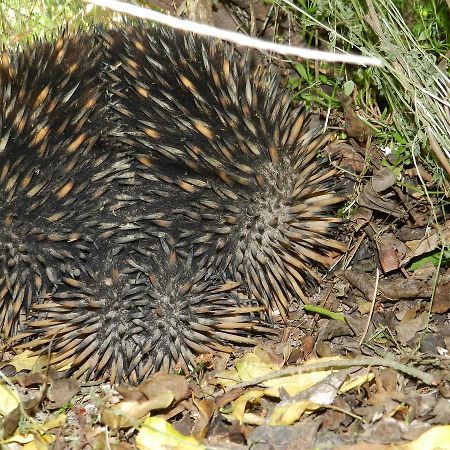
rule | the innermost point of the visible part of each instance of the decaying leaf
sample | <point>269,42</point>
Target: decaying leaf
<point>157,434</point>
<point>397,289</point>
<point>371,199</point>
<point>289,413</point>
<point>9,399</point>
<point>429,243</point>
<point>27,361</point>
<point>128,413</point>
<point>61,391</point>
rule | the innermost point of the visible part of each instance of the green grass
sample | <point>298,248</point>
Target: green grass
<point>23,21</point>
<point>403,102</point>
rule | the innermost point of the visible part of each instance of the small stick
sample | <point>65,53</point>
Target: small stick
<point>342,364</point>
<point>372,307</point>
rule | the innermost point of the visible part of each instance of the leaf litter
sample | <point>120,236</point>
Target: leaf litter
<point>364,365</point>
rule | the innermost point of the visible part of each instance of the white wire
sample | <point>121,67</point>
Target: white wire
<point>231,36</point>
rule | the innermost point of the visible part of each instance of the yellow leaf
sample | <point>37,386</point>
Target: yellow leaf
<point>291,412</point>
<point>265,357</point>
<point>157,434</point>
<point>54,423</point>
<point>356,382</point>
<point>251,366</point>
<point>35,445</point>
<point>433,439</point>
<point>127,414</point>
<point>295,383</point>
<point>228,378</point>
<point>32,441</point>
<point>43,442</point>
<point>240,404</point>
<point>20,438</point>
<point>9,400</point>
<point>27,361</point>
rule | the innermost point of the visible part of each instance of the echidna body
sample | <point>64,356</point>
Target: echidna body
<point>246,191</point>
<point>159,203</point>
<point>147,315</point>
<point>49,93</point>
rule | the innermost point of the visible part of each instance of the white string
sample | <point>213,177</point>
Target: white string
<point>231,36</point>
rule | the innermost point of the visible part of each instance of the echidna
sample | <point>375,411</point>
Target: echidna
<point>245,188</point>
<point>160,196</point>
<point>49,104</point>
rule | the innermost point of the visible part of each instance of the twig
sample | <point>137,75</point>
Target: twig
<point>342,364</point>
<point>437,150</point>
<point>372,307</point>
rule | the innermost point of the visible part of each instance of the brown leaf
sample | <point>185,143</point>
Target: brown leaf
<point>441,302</point>
<point>395,289</point>
<point>130,393</point>
<point>206,409</point>
<point>228,397</point>
<point>429,243</point>
<point>32,379</point>
<point>408,329</point>
<point>372,200</point>
<point>390,252</point>
<point>177,384</point>
<point>349,159</point>
<point>10,422</point>
<point>361,217</point>
<point>61,391</point>
<point>387,379</point>
<point>383,180</point>
<point>355,127</point>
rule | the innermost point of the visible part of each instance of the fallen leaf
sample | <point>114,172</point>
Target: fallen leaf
<point>383,180</point>
<point>375,201</point>
<point>408,329</point>
<point>228,378</point>
<point>441,301</point>
<point>252,366</point>
<point>295,384</point>
<point>176,384</point>
<point>61,391</point>
<point>291,412</point>
<point>27,360</point>
<point>356,382</point>
<point>206,408</point>
<point>355,127</point>
<point>429,243</point>
<point>433,439</point>
<point>126,414</point>
<point>9,400</point>
<point>157,434</point>
<point>390,252</point>
<point>395,289</point>
<point>239,405</point>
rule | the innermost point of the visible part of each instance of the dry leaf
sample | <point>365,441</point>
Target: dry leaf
<point>61,391</point>
<point>289,413</point>
<point>177,384</point>
<point>157,434</point>
<point>128,413</point>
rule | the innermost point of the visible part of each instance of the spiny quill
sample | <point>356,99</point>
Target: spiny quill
<point>246,190</point>
<point>163,197</point>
